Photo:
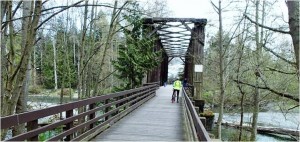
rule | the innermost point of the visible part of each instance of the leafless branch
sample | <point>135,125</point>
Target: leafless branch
<point>266,27</point>
<point>58,12</point>
<point>280,57</point>
<point>14,12</point>
<point>215,7</point>
<point>107,76</point>
<point>273,69</point>
<point>45,2</point>
<point>286,95</point>
<point>293,107</point>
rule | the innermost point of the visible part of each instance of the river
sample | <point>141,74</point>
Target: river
<point>272,119</point>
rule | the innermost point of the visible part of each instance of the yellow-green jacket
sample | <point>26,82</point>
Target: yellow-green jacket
<point>177,85</point>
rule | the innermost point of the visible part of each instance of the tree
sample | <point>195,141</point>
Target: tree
<point>293,9</point>
<point>222,71</point>
<point>257,91</point>
<point>293,12</point>
<point>135,57</point>
<point>17,73</point>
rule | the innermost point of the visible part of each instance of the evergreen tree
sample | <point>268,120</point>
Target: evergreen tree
<point>137,56</point>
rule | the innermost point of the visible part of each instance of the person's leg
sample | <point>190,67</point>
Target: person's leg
<point>177,95</point>
<point>174,91</point>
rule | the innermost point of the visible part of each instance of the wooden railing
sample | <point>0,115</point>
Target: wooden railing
<point>194,127</point>
<point>81,120</point>
<point>151,83</point>
<point>189,90</point>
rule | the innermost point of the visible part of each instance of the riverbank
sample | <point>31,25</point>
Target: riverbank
<point>265,119</point>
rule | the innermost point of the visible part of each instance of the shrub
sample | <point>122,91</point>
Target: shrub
<point>207,113</point>
<point>35,89</point>
<point>66,91</point>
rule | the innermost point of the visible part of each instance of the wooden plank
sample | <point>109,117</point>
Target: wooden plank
<point>156,120</point>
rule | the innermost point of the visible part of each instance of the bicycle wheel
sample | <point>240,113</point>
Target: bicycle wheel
<point>173,98</point>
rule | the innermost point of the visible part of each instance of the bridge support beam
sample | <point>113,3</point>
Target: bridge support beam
<point>189,66</point>
<point>164,68</point>
<point>194,57</point>
<point>157,75</point>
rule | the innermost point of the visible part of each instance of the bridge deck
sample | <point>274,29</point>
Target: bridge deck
<point>156,120</point>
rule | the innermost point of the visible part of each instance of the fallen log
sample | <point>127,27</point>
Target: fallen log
<point>262,129</point>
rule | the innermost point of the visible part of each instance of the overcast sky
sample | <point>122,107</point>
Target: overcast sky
<point>190,8</point>
<point>187,9</point>
<point>204,9</point>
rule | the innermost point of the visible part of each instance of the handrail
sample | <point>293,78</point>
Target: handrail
<point>190,89</point>
<point>113,106</point>
<point>196,125</point>
<point>151,83</point>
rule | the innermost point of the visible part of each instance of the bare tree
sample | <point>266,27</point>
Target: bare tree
<point>221,68</point>
<point>17,74</point>
<point>54,63</point>
<point>257,91</point>
<point>293,8</point>
<point>293,11</point>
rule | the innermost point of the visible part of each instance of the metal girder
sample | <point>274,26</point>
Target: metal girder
<point>155,30</point>
<point>175,33</point>
<point>186,26</point>
<point>193,20</point>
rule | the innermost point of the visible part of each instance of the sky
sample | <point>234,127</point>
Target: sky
<point>190,8</point>
<point>204,9</point>
<point>187,9</point>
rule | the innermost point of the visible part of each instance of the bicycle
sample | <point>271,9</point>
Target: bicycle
<point>173,96</point>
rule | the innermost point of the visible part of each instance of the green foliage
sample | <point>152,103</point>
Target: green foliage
<point>208,97</point>
<point>65,92</point>
<point>207,113</point>
<point>285,83</point>
<point>35,89</point>
<point>48,134</point>
<point>64,59</point>
<point>137,56</point>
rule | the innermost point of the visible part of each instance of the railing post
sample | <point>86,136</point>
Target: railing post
<point>106,109</point>
<point>193,91</point>
<point>203,120</point>
<point>69,113</point>
<point>92,116</point>
<point>32,125</point>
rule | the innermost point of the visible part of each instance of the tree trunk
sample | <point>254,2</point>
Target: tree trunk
<point>54,63</point>
<point>18,75</point>
<point>257,91</point>
<point>111,30</point>
<point>241,91</point>
<point>222,72</point>
<point>241,44</point>
<point>3,10</point>
<point>293,10</point>
<point>67,54</point>
<point>81,55</point>
<point>27,49</point>
<point>33,68</point>
<point>2,49</point>
<point>22,102</point>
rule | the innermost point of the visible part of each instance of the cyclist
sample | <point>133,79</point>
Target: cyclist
<point>176,88</point>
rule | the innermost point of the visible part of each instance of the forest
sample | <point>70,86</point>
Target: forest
<point>56,51</point>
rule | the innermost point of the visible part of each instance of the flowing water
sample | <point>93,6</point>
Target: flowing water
<point>269,119</point>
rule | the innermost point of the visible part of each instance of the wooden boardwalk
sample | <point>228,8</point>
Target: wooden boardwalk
<point>156,120</point>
